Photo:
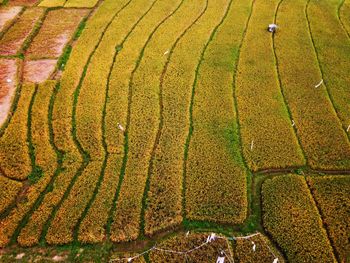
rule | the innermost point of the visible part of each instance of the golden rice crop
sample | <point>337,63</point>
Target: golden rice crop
<point>332,194</point>
<point>10,189</point>
<point>216,184</point>
<point>333,48</point>
<point>64,222</point>
<point>268,139</point>
<point>92,227</point>
<point>143,127</point>
<point>80,3</point>
<point>12,42</point>
<point>343,14</point>
<point>290,216</point>
<point>55,33</point>
<point>324,141</point>
<point>81,51</point>
<point>264,250</point>
<point>14,153</point>
<point>164,198</point>
<point>9,223</point>
<point>45,156</point>
<point>52,3</point>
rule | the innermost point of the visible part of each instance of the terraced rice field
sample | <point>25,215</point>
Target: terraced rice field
<point>131,130</point>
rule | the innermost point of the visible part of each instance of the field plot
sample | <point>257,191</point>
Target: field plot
<point>174,131</point>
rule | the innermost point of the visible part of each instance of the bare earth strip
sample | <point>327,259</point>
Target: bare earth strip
<point>37,71</point>
<point>12,41</point>
<point>8,83</point>
<point>7,15</point>
<point>55,33</point>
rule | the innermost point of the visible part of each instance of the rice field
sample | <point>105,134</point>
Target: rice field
<point>174,131</point>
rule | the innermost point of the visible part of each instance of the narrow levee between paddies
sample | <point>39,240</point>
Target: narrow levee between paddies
<point>174,131</point>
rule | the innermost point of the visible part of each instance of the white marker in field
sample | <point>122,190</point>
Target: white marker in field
<point>319,84</point>
<point>293,123</point>
<point>348,129</point>
<point>166,52</point>
<point>120,127</point>
<point>275,260</point>
<point>254,246</point>
<point>9,80</point>
<point>251,145</point>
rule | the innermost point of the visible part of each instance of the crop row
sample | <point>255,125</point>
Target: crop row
<point>332,194</point>
<point>321,135</point>
<point>23,2</point>
<point>141,124</point>
<point>93,225</point>
<point>89,115</point>
<point>268,139</point>
<point>333,48</point>
<point>13,40</point>
<point>10,189</point>
<point>291,217</point>
<point>62,114</point>
<point>12,221</point>
<point>69,3</point>
<point>216,184</point>
<point>14,153</point>
<point>263,250</point>
<point>45,157</point>
<point>55,33</point>
<point>164,199</point>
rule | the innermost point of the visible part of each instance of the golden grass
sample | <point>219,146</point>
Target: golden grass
<point>92,227</point>
<point>45,156</point>
<point>333,47</point>
<point>9,189</point>
<point>290,216</point>
<point>143,127</point>
<point>268,139</point>
<point>7,15</point>
<point>332,194</point>
<point>14,153</point>
<point>321,135</point>
<point>216,184</point>
<point>12,42</point>
<point>164,200</point>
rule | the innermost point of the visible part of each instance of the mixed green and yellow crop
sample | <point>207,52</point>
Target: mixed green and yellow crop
<point>164,121</point>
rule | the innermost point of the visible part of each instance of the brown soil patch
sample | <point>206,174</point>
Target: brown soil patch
<point>14,38</point>
<point>8,82</point>
<point>37,71</point>
<point>23,2</point>
<point>7,14</point>
<point>57,30</point>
